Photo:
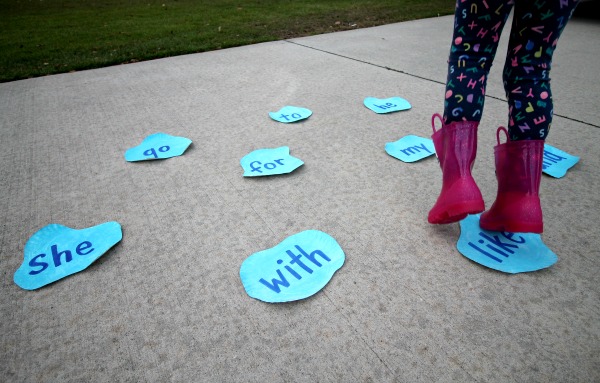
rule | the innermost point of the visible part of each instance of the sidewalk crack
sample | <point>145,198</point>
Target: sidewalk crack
<point>424,78</point>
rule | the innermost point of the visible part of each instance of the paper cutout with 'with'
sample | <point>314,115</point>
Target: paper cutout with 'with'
<point>507,252</point>
<point>289,114</point>
<point>158,146</point>
<point>297,268</point>
<point>386,105</point>
<point>56,251</point>
<point>267,162</point>
<point>556,162</point>
<point>410,148</point>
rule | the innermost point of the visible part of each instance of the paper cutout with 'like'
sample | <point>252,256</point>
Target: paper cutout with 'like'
<point>297,268</point>
<point>507,252</point>
<point>556,162</point>
<point>56,251</point>
<point>386,105</point>
<point>289,114</point>
<point>158,146</point>
<point>268,162</point>
<point>410,148</point>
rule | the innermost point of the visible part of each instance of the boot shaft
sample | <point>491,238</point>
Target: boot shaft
<point>519,166</point>
<point>517,208</point>
<point>456,147</point>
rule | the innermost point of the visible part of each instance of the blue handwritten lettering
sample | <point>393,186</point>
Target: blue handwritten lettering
<point>414,149</point>
<point>84,248</point>
<point>387,105</point>
<point>550,159</point>
<point>497,246</point>
<point>295,259</point>
<point>152,152</point>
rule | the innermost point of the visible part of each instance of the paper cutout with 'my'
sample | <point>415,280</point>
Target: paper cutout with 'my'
<point>556,162</point>
<point>56,251</point>
<point>386,105</point>
<point>410,148</point>
<point>297,268</point>
<point>289,114</point>
<point>268,162</point>
<point>507,252</point>
<point>158,146</point>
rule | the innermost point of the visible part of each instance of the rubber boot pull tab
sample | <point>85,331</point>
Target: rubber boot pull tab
<point>501,129</point>
<point>433,121</point>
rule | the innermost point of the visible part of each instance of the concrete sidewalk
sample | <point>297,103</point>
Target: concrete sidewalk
<point>167,304</point>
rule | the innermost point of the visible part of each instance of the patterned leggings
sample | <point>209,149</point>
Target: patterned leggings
<point>536,28</point>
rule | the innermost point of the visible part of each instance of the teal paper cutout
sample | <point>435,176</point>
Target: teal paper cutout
<point>289,114</point>
<point>57,251</point>
<point>268,162</point>
<point>386,105</point>
<point>507,252</point>
<point>410,148</point>
<point>295,269</point>
<point>158,146</point>
<point>556,162</point>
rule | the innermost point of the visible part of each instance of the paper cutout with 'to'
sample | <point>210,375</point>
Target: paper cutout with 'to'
<point>267,162</point>
<point>386,105</point>
<point>410,148</point>
<point>297,268</point>
<point>507,252</point>
<point>289,114</point>
<point>56,251</point>
<point>158,146</point>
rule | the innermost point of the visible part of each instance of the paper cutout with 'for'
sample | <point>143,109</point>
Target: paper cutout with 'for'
<point>410,148</point>
<point>387,105</point>
<point>267,162</point>
<point>507,252</point>
<point>158,146</point>
<point>289,114</point>
<point>56,251</point>
<point>297,268</point>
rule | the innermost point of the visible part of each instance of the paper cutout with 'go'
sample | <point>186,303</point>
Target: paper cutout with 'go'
<point>57,251</point>
<point>297,268</point>
<point>158,146</point>
<point>556,162</point>
<point>507,252</point>
<point>289,114</point>
<point>386,105</point>
<point>267,162</point>
<point>410,148</point>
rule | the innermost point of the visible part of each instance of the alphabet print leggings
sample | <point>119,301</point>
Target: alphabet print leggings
<point>536,28</point>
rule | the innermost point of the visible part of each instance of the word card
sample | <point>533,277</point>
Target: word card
<point>56,251</point>
<point>295,269</point>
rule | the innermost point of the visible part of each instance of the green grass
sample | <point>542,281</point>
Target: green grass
<point>40,37</point>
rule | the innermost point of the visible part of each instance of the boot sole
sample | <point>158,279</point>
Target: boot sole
<point>513,227</point>
<point>457,212</point>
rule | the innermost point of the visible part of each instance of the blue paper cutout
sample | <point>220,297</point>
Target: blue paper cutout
<point>387,105</point>
<point>295,269</point>
<point>507,252</point>
<point>267,162</point>
<point>158,146</point>
<point>556,162</point>
<point>57,251</point>
<point>410,148</point>
<point>289,114</point>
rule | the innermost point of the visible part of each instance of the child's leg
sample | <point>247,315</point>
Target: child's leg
<point>536,28</point>
<point>477,28</point>
<point>537,25</point>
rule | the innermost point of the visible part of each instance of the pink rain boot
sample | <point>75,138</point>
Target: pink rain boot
<point>519,171</point>
<point>456,147</point>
